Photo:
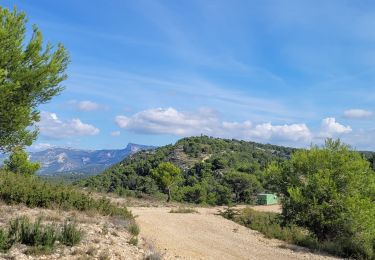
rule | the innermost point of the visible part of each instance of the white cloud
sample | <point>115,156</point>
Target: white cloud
<point>169,121</point>
<point>116,133</point>
<point>51,126</point>
<point>293,132</point>
<point>85,105</point>
<point>40,147</point>
<point>330,128</point>
<point>206,121</point>
<point>357,113</point>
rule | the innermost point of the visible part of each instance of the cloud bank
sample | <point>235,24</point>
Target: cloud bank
<point>206,121</point>
<point>51,126</point>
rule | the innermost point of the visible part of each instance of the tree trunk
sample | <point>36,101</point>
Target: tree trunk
<point>169,195</point>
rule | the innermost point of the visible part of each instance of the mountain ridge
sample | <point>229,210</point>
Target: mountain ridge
<point>60,160</point>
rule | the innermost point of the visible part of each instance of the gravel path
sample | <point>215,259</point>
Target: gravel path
<point>205,235</point>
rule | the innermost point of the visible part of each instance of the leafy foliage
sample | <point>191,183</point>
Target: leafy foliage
<point>331,192</point>
<point>70,235</point>
<point>214,171</point>
<point>267,223</point>
<point>166,174</point>
<point>34,192</point>
<point>41,236</point>
<point>271,226</point>
<point>19,163</point>
<point>30,75</point>
<point>32,234</point>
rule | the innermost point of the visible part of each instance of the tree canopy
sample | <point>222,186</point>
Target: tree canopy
<point>331,192</point>
<point>30,74</point>
<point>19,163</point>
<point>167,174</point>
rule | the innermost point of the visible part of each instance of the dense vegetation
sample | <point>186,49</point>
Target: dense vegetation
<point>330,192</point>
<point>18,162</point>
<point>41,237</point>
<point>34,192</point>
<point>30,74</point>
<point>213,171</point>
<point>271,225</point>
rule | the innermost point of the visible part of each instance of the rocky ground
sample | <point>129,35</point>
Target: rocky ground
<point>164,235</point>
<point>104,237</point>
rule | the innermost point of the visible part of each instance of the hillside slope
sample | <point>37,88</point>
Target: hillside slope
<point>215,171</point>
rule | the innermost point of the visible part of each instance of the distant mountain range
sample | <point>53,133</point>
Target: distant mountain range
<point>56,161</point>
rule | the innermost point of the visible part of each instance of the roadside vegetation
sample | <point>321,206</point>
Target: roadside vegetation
<point>271,226</point>
<point>328,202</point>
<point>34,192</point>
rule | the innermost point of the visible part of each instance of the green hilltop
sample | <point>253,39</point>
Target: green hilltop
<point>214,171</point>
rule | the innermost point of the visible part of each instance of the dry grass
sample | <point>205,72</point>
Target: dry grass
<point>91,251</point>
<point>183,210</point>
<point>151,252</point>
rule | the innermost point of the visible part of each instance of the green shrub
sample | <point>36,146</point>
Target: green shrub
<point>34,192</point>
<point>133,228</point>
<point>41,237</point>
<point>70,235</point>
<point>19,163</point>
<point>271,225</point>
<point>267,223</point>
<point>330,191</point>
<point>32,234</point>
<point>133,241</point>
<point>5,242</point>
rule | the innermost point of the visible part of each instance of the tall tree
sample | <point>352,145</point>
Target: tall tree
<point>30,74</point>
<point>167,174</point>
<point>19,163</point>
<point>331,192</point>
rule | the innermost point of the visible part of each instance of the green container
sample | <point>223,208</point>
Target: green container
<point>267,199</point>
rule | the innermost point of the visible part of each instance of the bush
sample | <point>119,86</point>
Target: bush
<point>32,234</point>
<point>41,237</point>
<point>70,235</point>
<point>133,229</point>
<point>34,192</point>
<point>5,242</point>
<point>331,192</point>
<point>271,226</point>
<point>267,223</point>
<point>133,241</point>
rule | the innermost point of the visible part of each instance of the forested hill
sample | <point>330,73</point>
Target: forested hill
<point>212,169</point>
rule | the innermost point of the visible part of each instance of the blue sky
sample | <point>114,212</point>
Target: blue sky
<point>284,72</point>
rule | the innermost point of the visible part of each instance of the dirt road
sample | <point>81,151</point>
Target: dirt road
<point>205,235</point>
